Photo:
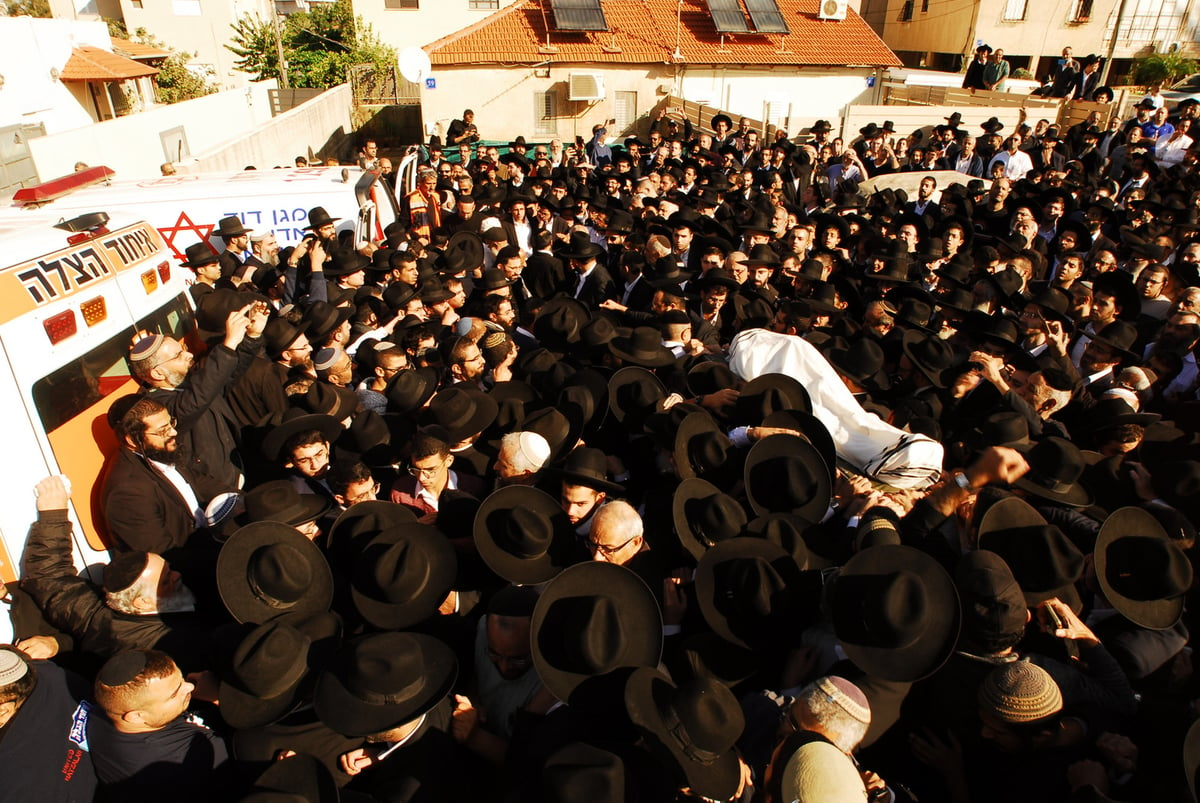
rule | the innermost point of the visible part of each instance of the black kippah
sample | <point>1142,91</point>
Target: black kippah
<point>124,570</point>
<point>122,668</point>
<point>515,601</point>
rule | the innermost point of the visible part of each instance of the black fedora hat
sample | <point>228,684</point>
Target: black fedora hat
<point>581,248</point>
<point>384,680</point>
<point>1119,336</point>
<point>215,307</point>
<point>581,773</point>
<point>298,778</point>
<point>322,319</point>
<point>359,524</point>
<point>231,226</point>
<point>278,500</point>
<point>293,422</point>
<point>589,467</point>
<point>402,576</point>
<point>812,430</point>
<point>344,262</point>
<point>1113,412</point>
<point>268,569</point>
<point>1055,466</point>
<point>1054,304</point>
<point>860,360</point>
<point>279,335</point>
<point>787,474</point>
<point>460,411</point>
<point>318,217</point>
<point>749,591</point>
<point>633,393</point>
<point>705,516</point>
<point>408,391</point>
<point>717,277</point>
<point>524,536</point>
<point>591,619</point>
<point>929,355</point>
<point>464,252</point>
<point>1043,560</point>
<point>199,255</point>
<point>895,612</point>
<point>692,728</point>
<point>701,448</point>
<point>1143,573</point>
<point>323,398</point>
<point>793,535</point>
<point>768,393</point>
<point>265,673</point>
<point>642,347</point>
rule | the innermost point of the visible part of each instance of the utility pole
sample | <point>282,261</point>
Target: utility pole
<point>283,67</point>
<point>1112,44</point>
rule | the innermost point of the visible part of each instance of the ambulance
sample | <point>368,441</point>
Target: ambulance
<point>87,261</point>
<point>185,208</point>
<point>72,296</point>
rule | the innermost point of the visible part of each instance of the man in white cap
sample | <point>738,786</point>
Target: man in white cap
<point>522,457</point>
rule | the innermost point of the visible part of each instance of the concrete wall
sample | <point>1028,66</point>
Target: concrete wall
<point>312,127</point>
<point>197,26</point>
<point>34,52</point>
<point>504,99</point>
<point>133,145</point>
<point>954,26</point>
<point>405,27</point>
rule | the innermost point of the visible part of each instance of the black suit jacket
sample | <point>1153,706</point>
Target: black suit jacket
<point>598,287</point>
<point>544,274</point>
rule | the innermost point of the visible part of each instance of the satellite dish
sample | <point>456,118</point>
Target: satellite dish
<point>414,64</point>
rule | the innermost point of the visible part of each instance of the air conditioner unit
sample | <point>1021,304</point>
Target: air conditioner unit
<point>833,9</point>
<point>586,86</point>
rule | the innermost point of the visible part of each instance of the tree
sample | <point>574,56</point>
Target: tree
<point>319,45</point>
<point>1164,68</point>
<point>28,8</point>
<point>175,80</point>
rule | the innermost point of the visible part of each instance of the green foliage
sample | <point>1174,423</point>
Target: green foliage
<point>319,45</point>
<point>175,81</point>
<point>28,8</point>
<point>1022,74</point>
<point>1165,68</point>
<point>116,28</point>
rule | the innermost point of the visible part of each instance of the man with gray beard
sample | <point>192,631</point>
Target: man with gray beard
<point>143,603</point>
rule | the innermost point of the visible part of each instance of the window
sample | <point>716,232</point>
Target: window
<point>625,110</point>
<point>924,6</point>
<point>401,3</point>
<point>483,4</point>
<point>1014,10</point>
<point>906,11</point>
<point>1081,11</point>
<point>545,113</point>
<point>137,3</point>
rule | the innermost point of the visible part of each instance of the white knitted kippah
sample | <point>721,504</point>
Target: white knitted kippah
<point>534,448</point>
<point>12,667</point>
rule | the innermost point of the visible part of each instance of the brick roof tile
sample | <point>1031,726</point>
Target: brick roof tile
<point>643,32</point>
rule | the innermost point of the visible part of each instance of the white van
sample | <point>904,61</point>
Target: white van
<point>185,208</point>
<point>71,297</point>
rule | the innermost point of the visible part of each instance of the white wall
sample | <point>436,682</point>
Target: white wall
<point>808,94</point>
<point>414,27</point>
<point>132,145</point>
<point>281,139</point>
<point>34,51</point>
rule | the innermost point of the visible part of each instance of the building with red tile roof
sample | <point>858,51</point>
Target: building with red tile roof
<point>522,74</point>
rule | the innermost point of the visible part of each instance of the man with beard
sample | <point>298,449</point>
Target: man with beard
<point>143,602</point>
<point>464,362</point>
<point>154,500</point>
<point>503,662</point>
<point>193,392</point>
<point>1179,335</point>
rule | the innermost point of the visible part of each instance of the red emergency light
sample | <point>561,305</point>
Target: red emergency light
<point>47,191</point>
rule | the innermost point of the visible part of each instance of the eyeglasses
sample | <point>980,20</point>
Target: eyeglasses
<point>164,432</point>
<point>496,658</point>
<point>314,458</point>
<point>366,496</point>
<point>424,472</point>
<point>608,551</point>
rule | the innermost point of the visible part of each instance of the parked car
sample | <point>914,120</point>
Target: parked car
<point>1182,90</point>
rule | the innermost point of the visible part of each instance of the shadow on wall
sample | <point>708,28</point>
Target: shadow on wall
<point>393,127</point>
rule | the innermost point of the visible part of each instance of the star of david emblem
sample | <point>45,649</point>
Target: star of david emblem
<point>184,223</point>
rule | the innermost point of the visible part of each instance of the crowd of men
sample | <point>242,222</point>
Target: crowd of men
<point>482,512</point>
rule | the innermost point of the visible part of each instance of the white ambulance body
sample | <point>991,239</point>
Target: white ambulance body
<point>185,208</point>
<point>70,302</point>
